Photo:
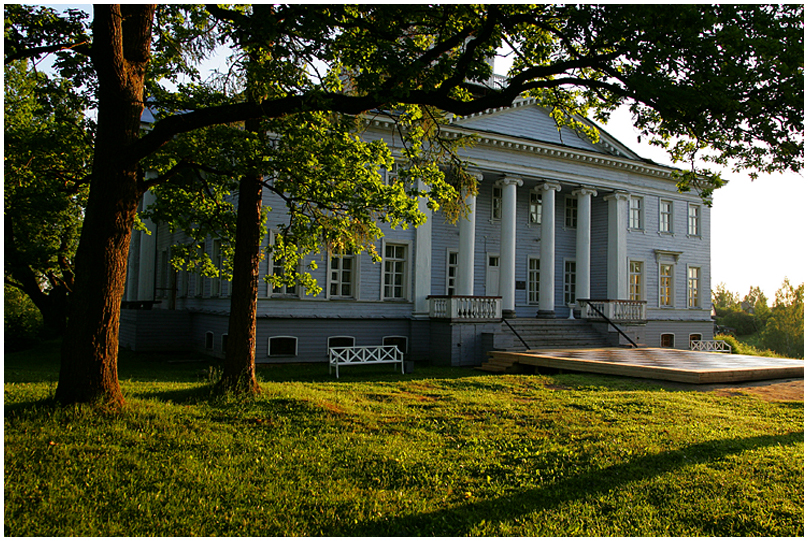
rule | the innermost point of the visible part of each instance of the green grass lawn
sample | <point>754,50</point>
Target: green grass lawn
<point>449,452</point>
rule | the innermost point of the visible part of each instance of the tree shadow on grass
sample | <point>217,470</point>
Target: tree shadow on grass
<point>460,520</point>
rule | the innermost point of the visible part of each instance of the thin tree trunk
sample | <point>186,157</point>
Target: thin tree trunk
<point>121,48</point>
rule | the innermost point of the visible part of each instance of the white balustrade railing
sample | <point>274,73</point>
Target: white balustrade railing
<point>617,311</point>
<point>710,345</point>
<point>465,308</point>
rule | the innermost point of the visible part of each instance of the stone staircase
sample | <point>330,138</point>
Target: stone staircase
<point>543,334</point>
<point>554,333</point>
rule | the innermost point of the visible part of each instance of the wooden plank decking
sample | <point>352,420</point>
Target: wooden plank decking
<point>665,364</point>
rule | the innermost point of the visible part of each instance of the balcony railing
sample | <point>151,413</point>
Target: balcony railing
<point>617,311</point>
<point>465,308</point>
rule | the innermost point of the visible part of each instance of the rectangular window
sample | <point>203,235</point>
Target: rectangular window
<point>283,290</point>
<point>693,281</point>
<point>451,273</point>
<point>282,346</point>
<point>342,276</point>
<point>535,208</point>
<point>395,271</point>
<point>666,216</point>
<point>666,285</point>
<point>635,281</point>
<point>635,213</point>
<point>390,176</point>
<point>496,203</point>
<point>571,212</point>
<point>533,280</point>
<point>569,282</point>
<point>694,220</point>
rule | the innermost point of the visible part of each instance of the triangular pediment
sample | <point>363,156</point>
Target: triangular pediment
<point>532,122</point>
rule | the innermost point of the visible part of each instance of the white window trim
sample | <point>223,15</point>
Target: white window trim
<point>209,334</point>
<point>671,216</point>
<point>354,278</point>
<point>673,285</point>
<point>699,221</point>
<point>643,294</point>
<point>537,257</point>
<point>673,342</point>
<point>408,266</point>
<point>269,345</point>
<point>328,345</point>
<point>224,339</point>
<point>568,199</point>
<point>488,256</point>
<point>699,299</point>
<point>494,206</point>
<point>406,341</point>
<point>530,222</point>
<point>449,252</point>
<point>564,280</point>
<point>641,213</point>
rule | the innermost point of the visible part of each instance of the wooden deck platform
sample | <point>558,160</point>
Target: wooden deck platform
<point>665,364</point>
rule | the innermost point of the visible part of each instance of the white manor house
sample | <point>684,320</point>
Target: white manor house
<point>561,226</point>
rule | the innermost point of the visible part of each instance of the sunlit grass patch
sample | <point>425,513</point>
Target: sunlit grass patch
<point>436,452</point>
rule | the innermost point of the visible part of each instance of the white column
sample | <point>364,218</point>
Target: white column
<point>617,257</point>
<point>547,261</point>
<point>507,256</point>
<point>583,242</point>
<point>148,254</point>
<point>423,259</point>
<point>465,255</point>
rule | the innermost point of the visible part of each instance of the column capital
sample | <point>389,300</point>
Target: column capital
<point>546,186</point>
<point>617,196</point>
<point>507,181</point>
<point>477,175</point>
<point>585,191</point>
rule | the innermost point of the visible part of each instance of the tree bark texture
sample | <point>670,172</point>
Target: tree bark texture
<point>120,53</point>
<point>238,374</point>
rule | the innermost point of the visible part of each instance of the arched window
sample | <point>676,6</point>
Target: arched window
<point>341,342</point>
<point>400,341</point>
<point>667,340</point>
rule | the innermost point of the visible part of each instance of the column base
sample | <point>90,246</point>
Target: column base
<point>508,314</point>
<point>546,314</point>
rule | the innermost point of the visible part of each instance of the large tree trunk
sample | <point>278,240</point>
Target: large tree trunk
<point>121,48</point>
<point>239,365</point>
<point>238,374</point>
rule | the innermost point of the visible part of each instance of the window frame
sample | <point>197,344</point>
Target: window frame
<point>671,294</point>
<point>535,203</point>
<point>570,287</point>
<point>404,271</point>
<point>694,220</point>
<point>694,291</point>
<point>496,203</point>
<point>636,213</point>
<point>570,212</point>
<point>666,217</point>
<point>451,281</point>
<point>533,286</point>
<point>662,340</point>
<point>328,340</point>
<point>639,283</point>
<point>269,346</point>
<point>353,281</point>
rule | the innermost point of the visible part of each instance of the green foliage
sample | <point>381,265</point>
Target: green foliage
<point>438,452</point>
<point>22,322</point>
<point>48,145</point>
<point>785,329</point>
<point>744,348</point>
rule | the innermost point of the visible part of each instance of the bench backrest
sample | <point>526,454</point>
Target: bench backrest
<point>365,354</point>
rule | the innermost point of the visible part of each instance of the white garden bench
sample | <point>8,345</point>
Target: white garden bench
<point>356,355</point>
<point>710,345</point>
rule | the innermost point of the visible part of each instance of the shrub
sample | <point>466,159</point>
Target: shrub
<point>22,322</point>
<point>740,348</point>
